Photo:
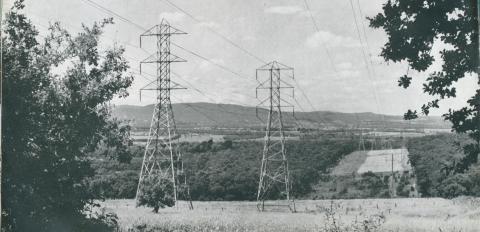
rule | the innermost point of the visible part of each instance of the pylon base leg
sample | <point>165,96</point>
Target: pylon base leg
<point>281,204</point>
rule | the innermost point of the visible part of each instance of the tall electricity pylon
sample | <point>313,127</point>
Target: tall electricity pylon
<point>392,188</point>
<point>274,174</point>
<point>361,143</point>
<point>162,157</point>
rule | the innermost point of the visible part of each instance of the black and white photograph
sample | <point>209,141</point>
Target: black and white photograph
<point>240,116</point>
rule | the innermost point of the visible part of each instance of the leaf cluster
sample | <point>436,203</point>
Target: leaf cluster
<point>413,28</point>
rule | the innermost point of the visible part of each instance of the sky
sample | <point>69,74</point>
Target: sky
<point>326,52</point>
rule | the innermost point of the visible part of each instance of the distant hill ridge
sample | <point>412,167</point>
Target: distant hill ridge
<point>191,115</point>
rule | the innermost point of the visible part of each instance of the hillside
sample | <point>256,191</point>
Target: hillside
<point>194,115</point>
<point>225,171</point>
<point>191,115</point>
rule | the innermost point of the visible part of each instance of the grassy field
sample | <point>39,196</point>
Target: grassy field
<point>413,215</point>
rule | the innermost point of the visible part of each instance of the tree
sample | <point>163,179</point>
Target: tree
<point>156,192</point>
<point>412,28</point>
<point>372,184</point>
<point>474,174</point>
<point>55,112</point>
<point>454,186</point>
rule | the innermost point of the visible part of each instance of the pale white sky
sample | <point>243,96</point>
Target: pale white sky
<point>279,30</point>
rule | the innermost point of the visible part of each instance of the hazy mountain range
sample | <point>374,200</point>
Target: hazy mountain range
<point>191,115</point>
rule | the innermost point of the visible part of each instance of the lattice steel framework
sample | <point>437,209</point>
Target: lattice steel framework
<point>361,143</point>
<point>392,185</point>
<point>162,157</point>
<point>274,173</point>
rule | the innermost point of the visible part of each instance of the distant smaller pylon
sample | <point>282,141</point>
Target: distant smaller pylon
<point>361,143</point>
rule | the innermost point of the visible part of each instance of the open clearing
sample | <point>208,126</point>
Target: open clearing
<point>395,160</point>
<point>376,161</point>
<point>407,214</point>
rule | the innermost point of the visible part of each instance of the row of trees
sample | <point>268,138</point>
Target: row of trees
<point>434,159</point>
<point>226,170</point>
<point>229,171</point>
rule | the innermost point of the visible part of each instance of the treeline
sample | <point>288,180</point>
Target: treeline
<point>226,170</point>
<point>435,160</point>
<point>229,170</point>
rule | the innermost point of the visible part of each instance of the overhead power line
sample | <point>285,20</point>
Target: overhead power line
<point>96,5</point>
<point>364,32</point>
<point>309,102</point>
<point>365,57</point>
<point>140,27</point>
<point>317,29</point>
<point>137,71</point>
<point>329,56</point>
<point>210,61</point>
<point>217,33</point>
<point>104,9</point>
<point>194,108</point>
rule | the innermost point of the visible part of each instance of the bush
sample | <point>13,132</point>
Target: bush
<point>403,187</point>
<point>156,192</point>
<point>433,159</point>
<point>474,174</point>
<point>116,185</point>
<point>373,185</point>
<point>454,186</point>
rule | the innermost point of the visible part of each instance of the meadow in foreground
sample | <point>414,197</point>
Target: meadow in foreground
<point>402,215</point>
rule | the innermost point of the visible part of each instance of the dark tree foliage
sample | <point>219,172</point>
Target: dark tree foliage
<point>120,184</point>
<point>455,185</point>
<point>433,159</point>
<point>413,27</point>
<point>156,193</point>
<point>228,170</point>
<point>403,187</point>
<point>232,174</point>
<point>55,112</point>
<point>474,174</point>
<point>373,185</point>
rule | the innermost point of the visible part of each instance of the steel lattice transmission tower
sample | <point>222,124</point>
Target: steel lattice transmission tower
<point>274,173</point>
<point>162,157</point>
<point>361,143</point>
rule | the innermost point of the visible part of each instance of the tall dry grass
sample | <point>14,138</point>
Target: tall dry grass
<point>396,215</point>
